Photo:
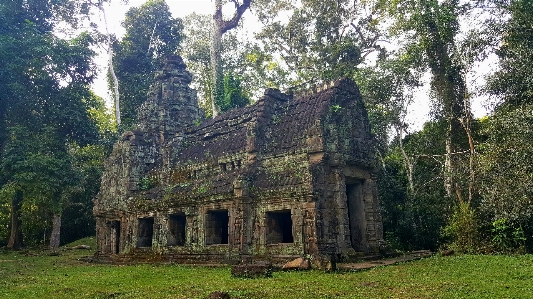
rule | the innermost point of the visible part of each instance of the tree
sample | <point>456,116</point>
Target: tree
<point>242,60</point>
<point>415,211</point>
<point>322,40</point>
<point>196,53</point>
<point>511,82</point>
<point>435,25</point>
<point>87,165</point>
<point>506,154</point>
<point>112,74</point>
<point>45,81</point>
<point>388,89</point>
<point>151,34</point>
<point>40,169</point>
<point>221,26</point>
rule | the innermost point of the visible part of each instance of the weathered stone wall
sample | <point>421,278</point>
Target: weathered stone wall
<point>346,162</point>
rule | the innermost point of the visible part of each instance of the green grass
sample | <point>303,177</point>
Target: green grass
<point>27,275</point>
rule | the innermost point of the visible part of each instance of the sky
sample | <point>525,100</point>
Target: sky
<point>418,112</point>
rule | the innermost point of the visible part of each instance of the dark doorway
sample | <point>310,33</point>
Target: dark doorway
<point>176,226</point>
<point>145,232</point>
<point>279,227</point>
<point>216,227</point>
<point>356,213</point>
<point>115,236</point>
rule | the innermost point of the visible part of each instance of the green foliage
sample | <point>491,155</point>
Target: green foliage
<point>233,94</point>
<point>195,52</point>
<point>462,229</point>
<point>315,44</point>
<point>415,217</point>
<point>335,108</point>
<point>256,69</point>
<point>505,161</point>
<point>7,192</point>
<point>506,238</point>
<point>151,34</point>
<point>511,82</point>
<point>36,220</point>
<point>387,89</point>
<point>88,163</point>
<point>101,117</point>
<point>38,165</point>
<point>506,168</point>
<point>45,101</point>
<point>147,183</point>
<point>506,157</point>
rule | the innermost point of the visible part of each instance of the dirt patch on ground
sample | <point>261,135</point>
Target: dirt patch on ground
<point>412,256</point>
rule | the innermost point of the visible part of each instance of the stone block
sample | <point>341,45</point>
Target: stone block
<point>257,270</point>
<point>297,264</point>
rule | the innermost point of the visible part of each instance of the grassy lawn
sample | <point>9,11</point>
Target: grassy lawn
<point>29,275</point>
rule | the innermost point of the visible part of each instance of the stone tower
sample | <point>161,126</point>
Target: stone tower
<point>171,105</point>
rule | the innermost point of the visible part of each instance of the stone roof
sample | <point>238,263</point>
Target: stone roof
<point>276,125</point>
<point>224,135</point>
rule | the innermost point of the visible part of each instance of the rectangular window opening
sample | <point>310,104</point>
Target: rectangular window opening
<point>216,230</point>
<point>176,227</point>
<point>279,227</point>
<point>145,232</point>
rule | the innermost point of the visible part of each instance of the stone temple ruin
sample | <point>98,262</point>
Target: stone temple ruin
<point>286,177</point>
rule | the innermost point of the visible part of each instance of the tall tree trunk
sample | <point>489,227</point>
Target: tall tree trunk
<point>15,239</point>
<point>219,28</point>
<point>56,232</point>
<point>110,64</point>
<point>465,122</point>
<point>217,81</point>
<point>449,85</point>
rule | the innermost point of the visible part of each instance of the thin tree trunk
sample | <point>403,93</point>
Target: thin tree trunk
<point>217,90</point>
<point>110,64</point>
<point>471,178</point>
<point>15,238</point>
<point>115,83</point>
<point>406,161</point>
<point>453,146</point>
<point>56,233</point>
<point>448,164</point>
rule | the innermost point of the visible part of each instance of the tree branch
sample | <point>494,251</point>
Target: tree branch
<point>240,9</point>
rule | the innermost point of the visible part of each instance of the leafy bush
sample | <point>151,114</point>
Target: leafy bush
<point>506,238</point>
<point>463,228</point>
